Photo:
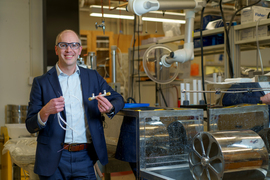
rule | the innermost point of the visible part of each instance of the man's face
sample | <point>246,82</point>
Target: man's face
<point>68,56</point>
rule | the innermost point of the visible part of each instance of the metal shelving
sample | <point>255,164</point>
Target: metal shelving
<point>238,45</point>
<point>208,50</point>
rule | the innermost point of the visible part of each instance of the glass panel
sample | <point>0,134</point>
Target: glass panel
<point>166,140</point>
<point>254,117</point>
<point>163,140</point>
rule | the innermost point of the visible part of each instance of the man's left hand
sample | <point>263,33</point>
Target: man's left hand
<point>104,104</point>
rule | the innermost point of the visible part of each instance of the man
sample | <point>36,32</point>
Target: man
<point>250,96</point>
<point>71,136</point>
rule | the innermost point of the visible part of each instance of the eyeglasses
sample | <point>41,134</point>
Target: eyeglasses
<point>64,45</point>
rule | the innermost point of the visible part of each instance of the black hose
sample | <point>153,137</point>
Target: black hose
<point>132,99</point>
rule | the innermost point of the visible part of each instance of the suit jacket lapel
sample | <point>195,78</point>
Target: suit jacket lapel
<point>85,86</point>
<point>53,79</point>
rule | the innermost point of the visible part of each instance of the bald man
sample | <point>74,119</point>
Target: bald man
<point>71,136</point>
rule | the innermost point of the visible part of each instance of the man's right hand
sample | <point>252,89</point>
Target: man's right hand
<point>52,107</point>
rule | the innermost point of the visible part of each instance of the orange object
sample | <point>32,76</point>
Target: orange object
<point>194,69</point>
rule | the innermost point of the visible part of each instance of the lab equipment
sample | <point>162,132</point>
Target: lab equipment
<point>102,25</point>
<point>265,135</point>
<point>169,59</point>
<point>15,113</point>
<point>80,62</point>
<point>114,84</point>
<point>91,61</point>
<point>237,117</point>
<point>104,94</point>
<point>163,140</point>
<point>228,155</point>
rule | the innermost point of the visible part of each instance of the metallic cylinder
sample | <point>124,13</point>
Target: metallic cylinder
<point>228,155</point>
<point>15,114</point>
<point>91,61</point>
<point>265,135</point>
<point>16,172</point>
<point>113,53</point>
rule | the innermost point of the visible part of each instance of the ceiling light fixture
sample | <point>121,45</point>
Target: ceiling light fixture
<point>112,16</point>
<point>155,16</point>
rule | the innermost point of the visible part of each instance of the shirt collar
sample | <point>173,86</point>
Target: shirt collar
<point>60,72</point>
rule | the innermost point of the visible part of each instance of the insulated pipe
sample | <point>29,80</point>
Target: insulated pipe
<point>183,55</point>
<point>172,5</point>
<point>189,26</point>
<point>140,7</point>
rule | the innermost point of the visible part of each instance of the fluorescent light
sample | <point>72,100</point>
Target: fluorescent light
<point>132,17</point>
<point>155,16</point>
<point>154,12</point>
<point>107,7</point>
<point>163,20</point>
<point>112,16</point>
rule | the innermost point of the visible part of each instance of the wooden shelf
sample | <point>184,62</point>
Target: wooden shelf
<point>102,41</point>
<point>83,38</point>
<point>102,49</point>
<point>102,65</point>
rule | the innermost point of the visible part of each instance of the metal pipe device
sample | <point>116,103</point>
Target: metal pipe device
<point>115,85</point>
<point>91,61</point>
<point>113,52</point>
<point>228,155</point>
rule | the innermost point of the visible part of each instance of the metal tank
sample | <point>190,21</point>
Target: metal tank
<point>240,155</point>
<point>237,117</point>
<point>265,135</point>
<point>15,113</point>
<point>164,139</point>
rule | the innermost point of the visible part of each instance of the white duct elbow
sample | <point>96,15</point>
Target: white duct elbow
<point>182,55</point>
<point>140,7</point>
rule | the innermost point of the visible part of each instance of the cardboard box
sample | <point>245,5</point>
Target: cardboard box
<point>247,34</point>
<point>253,14</point>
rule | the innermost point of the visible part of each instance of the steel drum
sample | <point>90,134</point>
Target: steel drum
<point>228,155</point>
<point>15,114</point>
